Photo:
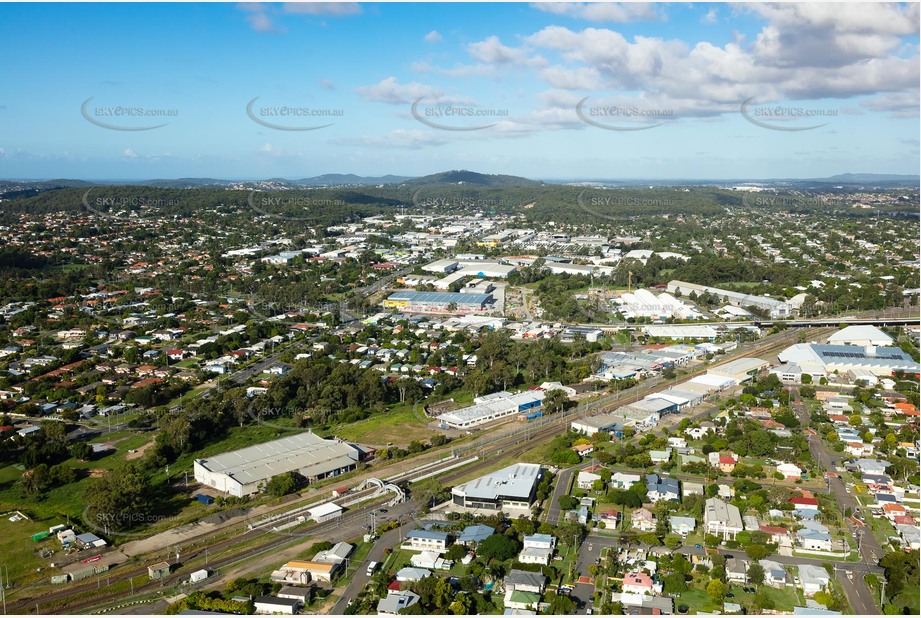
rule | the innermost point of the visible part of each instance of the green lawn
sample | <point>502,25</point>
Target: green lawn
<point>400,425</point>
<point>19,551</point>
<point>697,601</point>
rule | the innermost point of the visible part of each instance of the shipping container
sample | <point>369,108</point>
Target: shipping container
<point>82,574</point>
<point>40,536</point>
<point>204,499</point>
<point>198,576</point>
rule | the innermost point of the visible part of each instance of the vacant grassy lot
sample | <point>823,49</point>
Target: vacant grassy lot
<point>400,425</point>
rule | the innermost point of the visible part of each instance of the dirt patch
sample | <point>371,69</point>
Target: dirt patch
<point>219,518</point>
<point>139,452</point>
<point>96,473</point>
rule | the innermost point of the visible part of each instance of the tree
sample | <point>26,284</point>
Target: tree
<point>497,546</point>
<point>567,503</point>
<point>117,499</point>
<point>559,604</point>
<point>756,573</point>
<point>281,485</point>
<point>82,450</point>
<point>674,583</point>
<point>717,589</point>
<point>456,552</point>
<point>756,551</point>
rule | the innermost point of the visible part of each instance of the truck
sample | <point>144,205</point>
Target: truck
<point>372,566</point>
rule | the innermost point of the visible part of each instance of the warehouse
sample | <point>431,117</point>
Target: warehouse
<point>776,308</point>
<point>740,369</point>
<point>438,302</point>
<point>591,425</point>
<point>862,335</point>
<point>681,331</point>
<point>511,487</point>
<point>488,269</point>
<point>442,267</point>
<point>843,358</point>
<point>491,407</point>
<point>644,303</point>
<point>244,471</point>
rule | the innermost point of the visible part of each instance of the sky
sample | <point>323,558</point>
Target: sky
<point>542,90</point>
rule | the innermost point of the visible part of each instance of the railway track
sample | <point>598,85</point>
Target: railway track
<point>512,443</point>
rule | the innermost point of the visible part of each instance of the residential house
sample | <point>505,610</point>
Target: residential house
<point>789,470</point>
<point>624,480</point>
<point>638,582</point>
<point>682,525</point>
<point>423,540</point>
<point>525,581</point>
<point>736,571</point>
<point>642,519</point>
<point>662,488</point>
<point>813,578</point>
<point>774,573</point>
<point>722,519</point>
<point>391,604</point>
<point>585,480</point>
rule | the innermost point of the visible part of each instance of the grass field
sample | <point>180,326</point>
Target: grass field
<point>401,425</point>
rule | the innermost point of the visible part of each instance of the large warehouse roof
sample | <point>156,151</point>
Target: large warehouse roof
<point>516,481</point>
<point>890,359</point>
<point>443,298</point>
<point>306,452</point>
<point>860,334</point>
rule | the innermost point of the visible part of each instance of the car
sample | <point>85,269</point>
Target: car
<point>381,510</point>
<point>588,611</point>
<point>698,546</point>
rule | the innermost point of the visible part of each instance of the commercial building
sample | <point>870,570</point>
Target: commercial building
<point>511,487</point>
<point>244,471</point>
<point>740,369</point>
<point>775,308</point>
<point>491,407</point>
<point>826,359</point>
<point>438,302</point>
<point>862,335</point>
<point>591,425</point>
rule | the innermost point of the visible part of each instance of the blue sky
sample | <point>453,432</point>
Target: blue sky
<point>547,90</point>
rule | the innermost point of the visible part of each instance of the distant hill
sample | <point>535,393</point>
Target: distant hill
<point>864,179</point>
<point>455,177</point>
<point>351,179</point>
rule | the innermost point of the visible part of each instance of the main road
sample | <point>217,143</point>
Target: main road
<point>858,593</point>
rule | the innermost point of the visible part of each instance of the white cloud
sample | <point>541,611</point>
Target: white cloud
<point>620,12</point>
<point>327,84</point>
<point>332,9</point>
<point>582,78</point>
<point>433,37</point>
<point>709,18</point>
<point>390,91</point>
<point>129,153</point>
<point>492,51</point>
<point>261,23</point>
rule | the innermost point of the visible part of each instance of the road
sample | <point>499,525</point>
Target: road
<point>862,600</point>
<point>360,579</point>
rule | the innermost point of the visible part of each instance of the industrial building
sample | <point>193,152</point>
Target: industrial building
<point>490,407</point>
<point>740,369</point>
<point>775,308</point>
<point>438,302</point>
<point>511,487</point>
<point>821,359</point>
<point>645,304</point>
<point>862,335</point>
<point>681,331</point>
<point>591,425</point>
<point>244,471</point>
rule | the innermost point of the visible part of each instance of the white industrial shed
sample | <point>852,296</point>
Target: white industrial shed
<point>242,472</point>
<point>325,512</point>
<point>860,335</point>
